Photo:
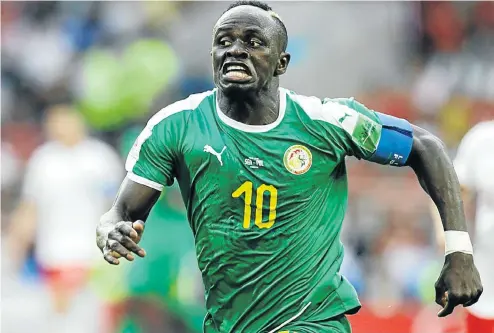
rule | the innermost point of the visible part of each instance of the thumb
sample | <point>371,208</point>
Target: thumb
<point>448,307</point>
<point>138,226</point>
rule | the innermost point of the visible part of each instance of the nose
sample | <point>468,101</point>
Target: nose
<point>237,51</point>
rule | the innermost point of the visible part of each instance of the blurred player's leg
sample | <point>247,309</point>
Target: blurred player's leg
<point>63,284</point>
<point>73,307</point>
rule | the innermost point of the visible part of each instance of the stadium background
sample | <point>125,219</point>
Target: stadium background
<point>119,62</point>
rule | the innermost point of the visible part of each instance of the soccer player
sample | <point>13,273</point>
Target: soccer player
<point>70,161</point>
<point>474,165</point>
<point>262,174</point>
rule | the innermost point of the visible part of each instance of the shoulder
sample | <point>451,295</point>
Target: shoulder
<point>98,146</point>
<point>190,103</point>
<point>482,131</point>
<point>44,151</point>
<point>42,157</point>
<point>477,139</point>
<point>472,152</point>
<point>329,110</point>
<point>166,126</point>
<point>307,103</point>
<point>102,159</point>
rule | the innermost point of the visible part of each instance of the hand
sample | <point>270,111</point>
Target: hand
<point>458,283</point>
<point>120,240</point>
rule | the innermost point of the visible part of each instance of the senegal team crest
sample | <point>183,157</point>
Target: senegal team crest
<point>297,159</point>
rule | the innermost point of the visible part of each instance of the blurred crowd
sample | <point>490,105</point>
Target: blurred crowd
<point>79,81</point>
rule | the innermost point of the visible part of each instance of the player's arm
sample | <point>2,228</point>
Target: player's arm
<point>464,163</point>
<point>150,167</point>
<point>388,140</point>
<point>467,196</point>
<point>435,172</point>
<point>120,229</point>
<point>459,282</point>
<point>23,221</point>
<point>21,231</point>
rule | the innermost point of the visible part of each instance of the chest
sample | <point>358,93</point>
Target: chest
<point>229,161</point>
<point>68,172</point>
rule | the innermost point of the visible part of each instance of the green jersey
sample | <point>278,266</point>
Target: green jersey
<point>265,203</point>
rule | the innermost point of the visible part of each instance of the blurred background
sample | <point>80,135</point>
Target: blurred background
<point>80,79</point>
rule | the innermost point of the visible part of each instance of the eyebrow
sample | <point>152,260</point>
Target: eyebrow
<point>252,29</point>
<point>255,30</point>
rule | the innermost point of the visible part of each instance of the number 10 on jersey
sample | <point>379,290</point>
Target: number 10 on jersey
<point>247,188</point>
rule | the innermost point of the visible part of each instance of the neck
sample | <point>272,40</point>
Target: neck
<point>70,142</point>
<point>256,108</point>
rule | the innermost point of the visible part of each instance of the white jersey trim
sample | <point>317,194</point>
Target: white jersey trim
<point>190,103</point>
<point>255,128</point>
<point>144,181</point>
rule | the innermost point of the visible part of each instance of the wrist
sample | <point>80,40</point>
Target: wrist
<point>103,228</point>
<point>457,241</point>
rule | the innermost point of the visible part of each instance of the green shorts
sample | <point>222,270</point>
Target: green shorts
<point>338,324</point>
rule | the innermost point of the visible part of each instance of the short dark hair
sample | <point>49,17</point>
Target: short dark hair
<point>264,6</point>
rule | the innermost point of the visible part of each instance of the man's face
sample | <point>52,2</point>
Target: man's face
<point>63,124</point>
<point>247,47</point>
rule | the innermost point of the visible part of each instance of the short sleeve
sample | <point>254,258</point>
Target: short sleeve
<point>466,154</point>
<point>151,160</point>
<point>370,135</point>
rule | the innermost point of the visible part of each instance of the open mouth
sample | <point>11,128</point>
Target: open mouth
<point>236,71</point>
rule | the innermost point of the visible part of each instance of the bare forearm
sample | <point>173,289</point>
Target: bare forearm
<point>437,176</point>
<point>21,232</point>
<point>133,202</point>
<point>459,281</point>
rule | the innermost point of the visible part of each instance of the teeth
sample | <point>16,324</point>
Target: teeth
<point>237,75</point>
<point>235,68</point>
<point>232,68</point>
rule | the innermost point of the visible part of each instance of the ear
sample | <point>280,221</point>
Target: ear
<point>283,62</point>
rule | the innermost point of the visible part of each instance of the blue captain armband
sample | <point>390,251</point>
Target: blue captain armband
<point>395,143</point>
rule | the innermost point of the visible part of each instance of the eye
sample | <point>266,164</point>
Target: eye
<point>225,42</point>
<point>254,43</point>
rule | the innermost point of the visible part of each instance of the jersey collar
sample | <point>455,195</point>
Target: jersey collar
<point>254,128</point>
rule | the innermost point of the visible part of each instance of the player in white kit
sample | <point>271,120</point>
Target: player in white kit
<point>70,180</point>
<point>474,165</point>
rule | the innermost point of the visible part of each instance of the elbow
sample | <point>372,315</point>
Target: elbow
<point>431,143</point>
<point>426,148</point>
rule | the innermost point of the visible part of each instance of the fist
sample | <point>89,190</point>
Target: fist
<point>120,240</point>
<point>458,283</point>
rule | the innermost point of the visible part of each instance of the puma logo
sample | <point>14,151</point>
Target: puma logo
<point>209,149</point>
